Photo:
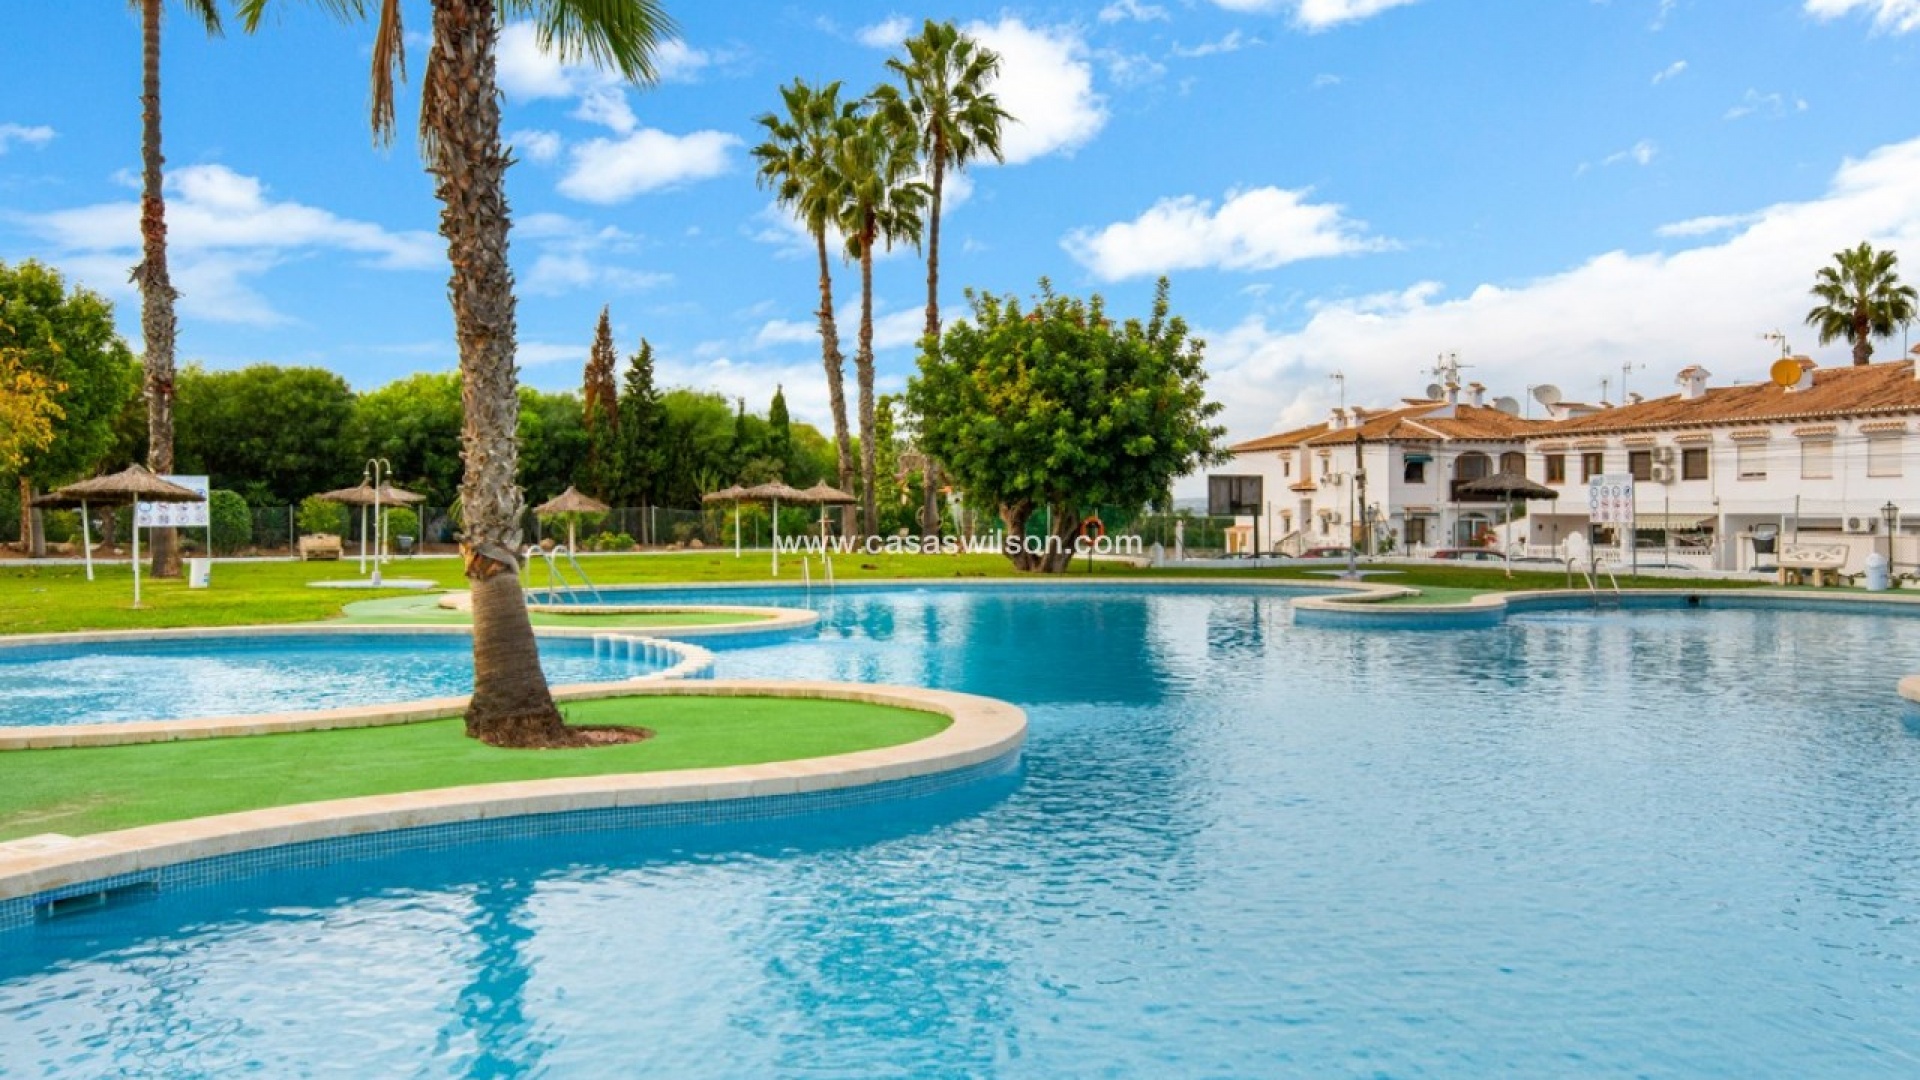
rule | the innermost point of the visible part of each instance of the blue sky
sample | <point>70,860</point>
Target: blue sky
<point>1552,189</point>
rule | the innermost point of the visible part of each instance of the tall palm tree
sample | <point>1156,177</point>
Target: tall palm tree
<point>1861,299</point>
<point>957,119</point>
<point>797,162</point>
<point>156,286</point>
<point>460,139</point>
<point>879,203</point>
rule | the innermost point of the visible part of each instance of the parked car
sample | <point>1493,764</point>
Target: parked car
<point>1325,553</point>
<point>1470,554</point>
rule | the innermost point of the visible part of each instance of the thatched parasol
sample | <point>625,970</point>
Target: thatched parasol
<point>571,503</point>
<point>725,494</point>
<point>1509,486</point>
<point>825,494</point>
<point>368,495</point>
<point>134,484</point>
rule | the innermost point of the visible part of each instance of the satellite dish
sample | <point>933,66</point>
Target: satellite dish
<point>1507,405</point>
<point>1547,394</point>
<point>1784,372</point>
<point>1434,390</point>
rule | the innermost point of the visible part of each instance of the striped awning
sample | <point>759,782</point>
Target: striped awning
<point>1672,522</point>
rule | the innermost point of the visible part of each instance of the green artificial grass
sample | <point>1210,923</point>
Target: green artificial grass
<point>95,789</point>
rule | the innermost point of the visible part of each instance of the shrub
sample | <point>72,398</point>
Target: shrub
<point>231,520</point>
<point>60,526</point>
<point>320,516</point>
<point>402,521</point>
<point>609,541</point>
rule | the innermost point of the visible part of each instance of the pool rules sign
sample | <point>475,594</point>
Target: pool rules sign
<point>1610,499</point>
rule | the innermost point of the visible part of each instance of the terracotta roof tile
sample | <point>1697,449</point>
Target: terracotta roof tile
<point>1888,388</point>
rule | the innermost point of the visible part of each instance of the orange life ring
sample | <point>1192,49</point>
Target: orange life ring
<point>1094,527</point>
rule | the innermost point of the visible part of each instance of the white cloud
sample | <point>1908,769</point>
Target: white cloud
<point>1046,84</point>
<point>1316,15</point>
<point>529,73</point>
<point>1640,153</point>
<point>36,135</point>
<point>889,34</point>
<point>1233,42</point>
<point>1773,105</point>
<point>614,170</point>
<point>1670,71</point>
<point>222,231</point>
<point>1133,10</point>
<point>535,145</point>
<point>1703,304</point>
<point>1326,79</point>
<point>1255,229</point>
<point>1893,16</point>
<point>1706,225</point>
<point>674,61</point>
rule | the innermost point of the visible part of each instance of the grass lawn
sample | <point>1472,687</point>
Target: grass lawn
<point>95,789</point>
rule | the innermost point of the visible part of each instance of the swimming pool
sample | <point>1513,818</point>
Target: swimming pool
<point>1661,842</point>
<point>255,671</point>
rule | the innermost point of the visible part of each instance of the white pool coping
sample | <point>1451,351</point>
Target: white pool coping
<point>982,730</point>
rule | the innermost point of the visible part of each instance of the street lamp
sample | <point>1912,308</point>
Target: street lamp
<point>1890,514</point>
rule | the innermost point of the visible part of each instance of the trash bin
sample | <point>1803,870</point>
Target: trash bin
<point>200,573</point>
<point>1877,572</point>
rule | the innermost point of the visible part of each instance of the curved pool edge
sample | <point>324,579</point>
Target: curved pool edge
<point>50,868</point>
<point>1364,612</point>
<point>771,621</point>
<point>690,662</point>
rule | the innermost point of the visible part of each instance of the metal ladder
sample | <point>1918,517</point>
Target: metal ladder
<point>557,587</point>
<point>1592,573</point>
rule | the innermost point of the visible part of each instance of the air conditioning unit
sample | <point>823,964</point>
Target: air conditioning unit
<point>1663,455</point>
<point>1662,473</point>
<point>1864,523</point>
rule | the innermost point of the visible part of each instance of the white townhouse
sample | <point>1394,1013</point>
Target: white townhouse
<point>1392,474</point>
<point>1723,474</point>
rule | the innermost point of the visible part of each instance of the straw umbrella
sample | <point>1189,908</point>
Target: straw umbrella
<point>827,495</point>
<point>571,503</point>
<point>365,495</point>
<point>733,494</point>
<point>1509,485</point>
<point>773,492</point>
<point>133,484</point>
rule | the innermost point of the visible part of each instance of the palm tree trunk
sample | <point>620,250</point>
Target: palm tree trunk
<point>863,369</point>
<point>156,288</point>
<point>1862,343</point>
<point>460,116</point>
<point>930,499</point>
<point>836,376</point>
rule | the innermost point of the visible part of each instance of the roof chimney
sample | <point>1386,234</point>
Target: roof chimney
<point>1806,373</point>
<point>1338,420</point>
<point>1693,382</point>
<point>1475,392</point>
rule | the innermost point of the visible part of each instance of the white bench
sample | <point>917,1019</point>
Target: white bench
<point>1812,564</point>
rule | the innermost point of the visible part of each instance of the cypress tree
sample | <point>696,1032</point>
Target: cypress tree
<point>602,409</point>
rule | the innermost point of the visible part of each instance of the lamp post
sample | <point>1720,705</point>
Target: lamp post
<point>1890,514</point>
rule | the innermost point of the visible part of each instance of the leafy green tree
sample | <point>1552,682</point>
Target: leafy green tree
<point>66,339</point>
<point>27,408</point>
<point>812,459</point>
<point>1058,408</point>
<point>1861,298</point>
<point>553,441</point>
<point>640,457</point>
<point>230,520</point>
<point>601,406</point>
<point>780,431</point>
<point>880,203</point>
<point>414,423</point>
<point>320,516</point>
<point>957,119</point>
<point>799,162</point>
<point>273,434</point>
<point>156,287</point>
<point>697,441</point>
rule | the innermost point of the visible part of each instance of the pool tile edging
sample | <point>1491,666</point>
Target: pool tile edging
<point>982,730</point>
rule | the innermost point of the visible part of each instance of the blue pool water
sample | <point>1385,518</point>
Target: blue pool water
<point>1647,843</point>
<point>169,679</point>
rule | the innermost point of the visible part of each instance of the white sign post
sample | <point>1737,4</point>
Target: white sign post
<point>1610,502</point>
<point>171,515</point>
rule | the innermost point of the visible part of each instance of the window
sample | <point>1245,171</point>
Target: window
<point>1693,463</point>
<point>1816,459</point>
<point>1416,471</point>
<point>1750,460</point>
<point>1884,452</point>
<point>1592,464</point>
<point>1515,462</point>
<point>1286,467</point>
<point>1640,464</point>
<point>1556,468</point>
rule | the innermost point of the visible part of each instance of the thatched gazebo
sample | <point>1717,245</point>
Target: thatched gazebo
<point>571,503</point>
<point>134,484</point>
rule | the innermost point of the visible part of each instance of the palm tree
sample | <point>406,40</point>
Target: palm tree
<point>879,203</point>
<point>797,162</point>
<point>1861,298</point>
<point>460,139</point>
<point>156,286</point>
<point>956,119</point>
